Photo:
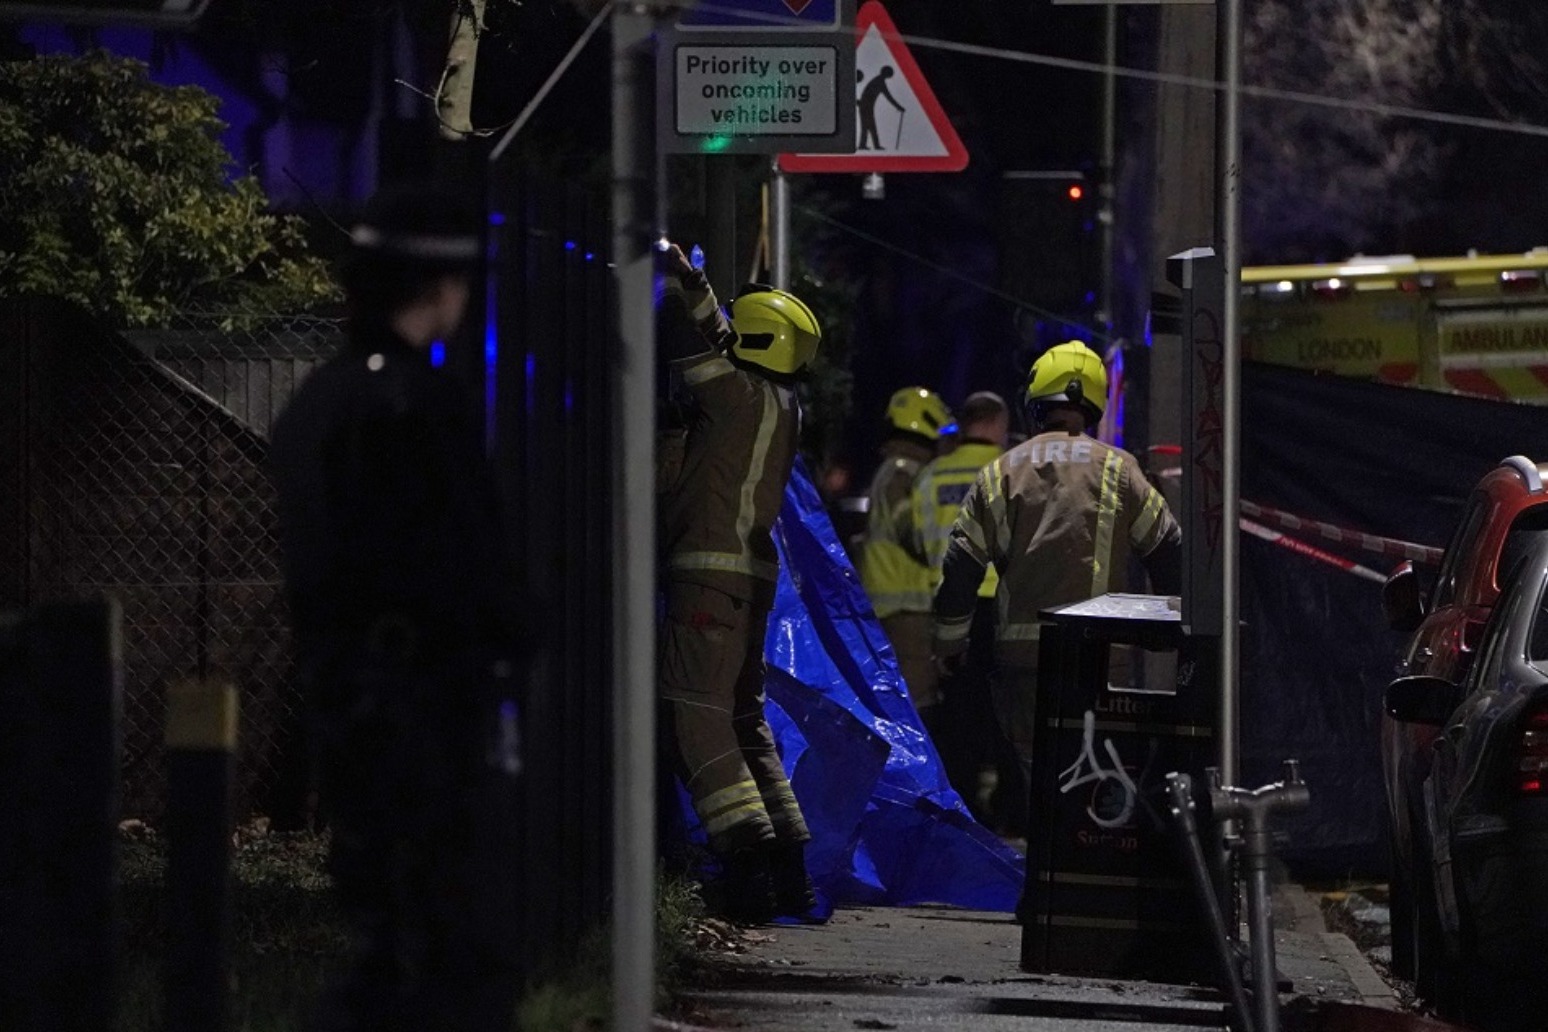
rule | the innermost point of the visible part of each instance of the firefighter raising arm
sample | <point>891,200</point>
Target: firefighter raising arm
<point>690,326</point>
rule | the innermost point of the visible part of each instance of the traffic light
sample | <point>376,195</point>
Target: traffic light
<point>1049,244</point>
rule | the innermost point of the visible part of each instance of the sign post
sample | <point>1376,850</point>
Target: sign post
<point>902,127</point>
<point>757,77</point>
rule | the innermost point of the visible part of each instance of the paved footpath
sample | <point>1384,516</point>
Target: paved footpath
<point>944,968</point>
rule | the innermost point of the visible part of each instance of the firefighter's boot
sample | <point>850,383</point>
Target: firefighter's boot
<point>793,892</point>
<point>747,887</point>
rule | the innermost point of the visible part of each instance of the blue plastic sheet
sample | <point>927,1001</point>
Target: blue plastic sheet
<point>887,826</point>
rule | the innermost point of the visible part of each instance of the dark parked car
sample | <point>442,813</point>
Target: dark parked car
<point>1507,508</point>
<point>1478,818</point>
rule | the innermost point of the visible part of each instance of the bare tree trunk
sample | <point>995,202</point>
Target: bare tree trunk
<point>454,99</point>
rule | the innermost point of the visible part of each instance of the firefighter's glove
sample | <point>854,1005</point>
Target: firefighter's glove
<point>948,648</point>
<point>682,279</point>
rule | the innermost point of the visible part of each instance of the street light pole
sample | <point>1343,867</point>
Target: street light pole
<point>636,227</point>
<point>1228,230</point>
<point>1107,188</point>
<point>779,228</point>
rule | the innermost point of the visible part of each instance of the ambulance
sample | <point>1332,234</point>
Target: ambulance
<point>1475,325</point>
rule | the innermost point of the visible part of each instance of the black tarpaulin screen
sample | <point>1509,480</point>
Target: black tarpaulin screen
<point>1316,652</point>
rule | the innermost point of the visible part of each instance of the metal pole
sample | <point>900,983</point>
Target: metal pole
<point>1186,826</point>
<point>201,736</point>
<point>779,229</point>
<point>1229,229</point>
<point>1107,189</point>
<point>721,246</point>
<point>635,228</point>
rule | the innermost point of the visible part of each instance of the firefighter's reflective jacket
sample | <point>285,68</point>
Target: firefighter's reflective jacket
<point>892,567</point>
<point>718,515</point>
<point>938,493</point>
<point>1059,516</point>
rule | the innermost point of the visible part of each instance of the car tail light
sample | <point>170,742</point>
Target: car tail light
<point>1520,282</point>
<point>1532,753</point>
<point>1331,289</point>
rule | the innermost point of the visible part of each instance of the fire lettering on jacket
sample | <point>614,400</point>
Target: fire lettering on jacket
<point>1077,452</point>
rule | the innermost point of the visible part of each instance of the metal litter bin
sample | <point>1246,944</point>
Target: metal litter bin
<point>1106,891</point>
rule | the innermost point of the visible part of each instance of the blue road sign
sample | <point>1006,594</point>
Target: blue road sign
<point>773,15</point>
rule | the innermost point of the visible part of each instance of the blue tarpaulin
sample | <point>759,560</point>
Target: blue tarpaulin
<point>887,827</point>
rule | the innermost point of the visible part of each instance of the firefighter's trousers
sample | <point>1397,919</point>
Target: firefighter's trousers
<point>711,685</point>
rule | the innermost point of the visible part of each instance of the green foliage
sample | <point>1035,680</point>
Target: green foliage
<point>286,931</point>
<point>823,283</point>
<point>827,394</point>
<point>575,996</point>
<point>114,194</point>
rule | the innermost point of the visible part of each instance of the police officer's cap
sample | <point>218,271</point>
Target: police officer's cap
<point>419,226</point>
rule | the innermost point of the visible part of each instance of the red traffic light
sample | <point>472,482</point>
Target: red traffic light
<point>1076,192</point>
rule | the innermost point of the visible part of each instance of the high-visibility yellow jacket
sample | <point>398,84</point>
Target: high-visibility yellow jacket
<point>939,490</point>
<point>1059,517</point>
<point>892,567</point>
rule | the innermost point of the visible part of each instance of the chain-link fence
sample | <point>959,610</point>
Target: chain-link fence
<point>139,458</point>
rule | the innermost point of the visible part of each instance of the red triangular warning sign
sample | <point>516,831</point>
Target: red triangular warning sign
<point>900,126</point>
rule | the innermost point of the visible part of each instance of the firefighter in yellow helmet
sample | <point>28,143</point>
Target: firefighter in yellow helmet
<point>964,727</point>
<point>721,567</point>
<point>1059,516</point>
<point>893,567</point>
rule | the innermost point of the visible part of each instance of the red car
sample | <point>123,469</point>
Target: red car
<point>1508,504</point>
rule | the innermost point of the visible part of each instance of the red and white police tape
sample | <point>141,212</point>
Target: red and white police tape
<point>1300,547</point>
<point>1390,547</point>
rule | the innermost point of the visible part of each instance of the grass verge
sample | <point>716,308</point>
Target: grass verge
<point>288,936</point>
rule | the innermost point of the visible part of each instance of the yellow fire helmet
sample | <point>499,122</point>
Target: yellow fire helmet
<point>1070,373</point>
<point>918,410</point>
<point>774,330</point>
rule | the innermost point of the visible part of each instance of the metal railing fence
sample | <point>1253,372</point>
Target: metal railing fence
<point>134,466</point>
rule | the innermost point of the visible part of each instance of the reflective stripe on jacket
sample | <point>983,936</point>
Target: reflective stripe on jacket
<point>1059,516</point>
<point>939,490</point>
<point>718,519</point>
<point>892,568</point>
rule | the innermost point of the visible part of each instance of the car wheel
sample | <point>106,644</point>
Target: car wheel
<point>1435,969</point>
<point>1400,901</point>
<point>1501,977</point>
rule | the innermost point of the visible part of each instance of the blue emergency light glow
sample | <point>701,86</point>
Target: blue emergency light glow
<point>569,245</point>
<point>438,353</point>
<point>590,256</point>
<point>1116,404</point>
<point>696,257</point>
<point>491,340</point>
<point>496,218</point>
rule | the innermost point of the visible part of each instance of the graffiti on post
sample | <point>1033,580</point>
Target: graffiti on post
<point>1209,430</point>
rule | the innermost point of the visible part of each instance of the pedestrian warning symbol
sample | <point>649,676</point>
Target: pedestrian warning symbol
<point>900,126</point>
